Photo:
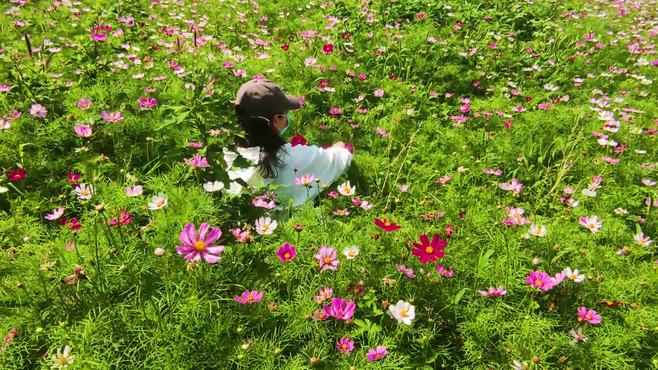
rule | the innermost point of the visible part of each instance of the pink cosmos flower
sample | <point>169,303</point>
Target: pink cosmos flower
<point>493,292</point>
<point>514,186</point>
<point>540,280</point>
<point>84,104</point>
<point>197,161</point>
<point>381,132</point>
<point>195,247</point>
<point>335,111</point>
<point>123,219</point>
<point>427,251</point>
<point>147,103</point>
<point>16,174</point>
<point>406,271</point>
<point>323,294</point>
<point>345,345</point>
<point>249,297</point>
<point>264,201</point>
<point>443,180</point>
<point>589,316</point>
<point>387,225</point>
<point>134,191</point>
<point>286,252</point>
<point>591,222</point>
<point>5,88</point>
<point>340,309</point>
<point>376,354</point>
<point>112,117</point>
<point>515,217</point>
<point>379,93</point>
<point>444,271</point>
<point>38,111</point>
<point>328,258</point>
<point>304,180</point>
<point>240,73</point>
<point>298,140</point>
<point>82,130</point>
<point>328,48</point>
<point>242,236</point>
<point>55,214</point>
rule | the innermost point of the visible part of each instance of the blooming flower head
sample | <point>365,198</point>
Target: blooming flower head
<point>514,186</point>
<point>328,49</point>
<point>157,202</point>
<point>591,222</point>
<point>38,111</point>
<point>589,316</point>
<point>386,224</point>
<point>406,271</point>
<point>346,190</point>
<point>427,250</point>
<point>324,293</point>
<point>265,225</point>
<point>71,223</point>
<point>286,252</point>
<point>84,191</point>
<point>213,186</point>
<point>351,252</point>
<point>82,130</point>
<point>147,103</point>
<point>376,354</point>
<point>304,180</point>
<point>444,271</point>
<point>133,191</point>
<point>242,236</point>
<point>123,219</point>
<point>16,174</point>
<point>249,297</point>
<point>515,217</point>
<point>84,104</point>
<point>573,275</point>
<point>537,230</point>
<point>379,93</point>
<point>493,292</point>
<point>62,359</point>
<point>197,161</point>
<point>345,345</point>
<point>642,240</point>
<point>55,214</point>
<point>264,201</point>
<point>340,309</point>
<point>197,246</point>
<point>327,258</point>
<point>403,312</point>
<point>298,140</point>
<point>112,117</point>
<point>540,280</point>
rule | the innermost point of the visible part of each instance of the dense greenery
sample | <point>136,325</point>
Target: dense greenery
<point>481,121</point>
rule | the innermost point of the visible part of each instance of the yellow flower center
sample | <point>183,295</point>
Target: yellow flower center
<point>61,360</point>
<point>345,346</point>
<point>265,226</point>
<point>327,260</point>
<point>200,246</point>
<point>429,250</point>
<point>403,313</point>
<point>538,283</point>
<point>387,223</point>
<point>588,317</point>
<point>351,253</point>
<point>159,203</point>
<point>286,256</point>
<point>250,298</point>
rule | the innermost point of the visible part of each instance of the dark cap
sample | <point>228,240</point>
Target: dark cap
<point>264,98</point>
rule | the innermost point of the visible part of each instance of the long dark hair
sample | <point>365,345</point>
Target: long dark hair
<point>261,134</point>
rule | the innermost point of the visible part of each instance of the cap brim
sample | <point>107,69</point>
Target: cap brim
<point>293,102</point>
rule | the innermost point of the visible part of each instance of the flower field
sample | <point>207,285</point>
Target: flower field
<point>499,212</point>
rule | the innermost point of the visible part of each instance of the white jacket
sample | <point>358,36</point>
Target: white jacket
<point>325,164</point>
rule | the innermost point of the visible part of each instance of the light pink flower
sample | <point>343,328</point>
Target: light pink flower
<point>328,258</point>
<point>195,247</point>
<point>249,297</point>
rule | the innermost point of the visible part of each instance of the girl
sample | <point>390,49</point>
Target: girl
<point>263,113</point>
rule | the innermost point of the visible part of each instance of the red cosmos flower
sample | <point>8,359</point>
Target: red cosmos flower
<point>427,250</point>
<point>15,175</point>
<point>285,47</point>
<point>298,140</point>
<point>72,177</point>
<point>71,223</point>
<point>124,219</point>
<point>328,48</point>
<point>386,225</point>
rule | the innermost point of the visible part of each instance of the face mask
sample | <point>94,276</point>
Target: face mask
<point>283,130</point>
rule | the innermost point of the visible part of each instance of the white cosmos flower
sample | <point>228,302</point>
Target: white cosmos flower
<point>573,275</point>
<point>84,191</point>
<point>403,312</point>
<point>157,202</point>
<point>346,189</point>
<point>211,186</point>
<point>63,359</point>
<point>537,230</point>
<point>351,252</point>
<point>642,240</point>
<point>265,225</point>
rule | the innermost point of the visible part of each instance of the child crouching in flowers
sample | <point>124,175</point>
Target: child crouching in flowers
<point>263,113</point>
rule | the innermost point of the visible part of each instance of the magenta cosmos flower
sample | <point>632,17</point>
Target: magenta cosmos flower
<point>345,345</point>
<point>147,102</point>
<point>197,247</point>
<point>589,316</point>
<point>376,354</point>
<point>328,258</point>
<point>84,104</point>
<point>340,309</point>
<point>427,250</point>
<point>249,297</point>
<point>197,161</point>
<point>540,280</point>
<point>493,292</point>
<point>286,252</point>
<point>112,117</point>
<point>82,130</point>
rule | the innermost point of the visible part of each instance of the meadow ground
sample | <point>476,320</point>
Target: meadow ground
<point>499,214</point>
